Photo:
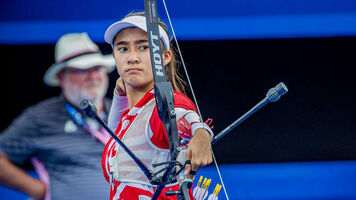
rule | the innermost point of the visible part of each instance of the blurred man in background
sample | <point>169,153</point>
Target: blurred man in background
<point>62,144</point>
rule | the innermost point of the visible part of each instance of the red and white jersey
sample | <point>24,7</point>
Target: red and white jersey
<point>144,133</point>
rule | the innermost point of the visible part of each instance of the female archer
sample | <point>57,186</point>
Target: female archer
<point>139,125</point>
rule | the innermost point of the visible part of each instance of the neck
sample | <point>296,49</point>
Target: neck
<point>134,95</point>
<point>99,106</point>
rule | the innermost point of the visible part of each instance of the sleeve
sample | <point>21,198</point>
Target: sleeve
<point>118,106</point>
<point>17,141</point>
<point>188,121</point>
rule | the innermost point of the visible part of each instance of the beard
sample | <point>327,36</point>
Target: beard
<point>94,91</point>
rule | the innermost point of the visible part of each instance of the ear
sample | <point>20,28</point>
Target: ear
<point>167,57</point>
<point>60,77</point>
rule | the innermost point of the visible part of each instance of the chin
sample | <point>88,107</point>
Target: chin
<point>139,83</point>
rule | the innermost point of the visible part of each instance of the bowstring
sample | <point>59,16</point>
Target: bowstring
<point>193,94</point>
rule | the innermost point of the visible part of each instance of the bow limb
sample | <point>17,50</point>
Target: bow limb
<point>164,95</point>
<point>193,94</point>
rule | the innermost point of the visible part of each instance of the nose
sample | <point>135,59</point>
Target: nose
<point>94,72</point>
<point>133,57</point>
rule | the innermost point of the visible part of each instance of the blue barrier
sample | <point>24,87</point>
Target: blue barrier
<point>288,181</point>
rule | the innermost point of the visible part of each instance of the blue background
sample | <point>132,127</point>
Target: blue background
<point>41,21</point>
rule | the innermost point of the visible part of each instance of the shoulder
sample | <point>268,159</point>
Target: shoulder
<point>47,113</point>
<point>46,110</point>
<point>53,104</point>
<point>182,101</point>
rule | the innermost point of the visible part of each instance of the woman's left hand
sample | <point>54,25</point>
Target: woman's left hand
<point>198,152</point>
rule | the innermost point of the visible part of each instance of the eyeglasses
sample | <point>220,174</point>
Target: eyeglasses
<point>73,70</point>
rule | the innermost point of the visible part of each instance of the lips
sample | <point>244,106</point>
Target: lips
<point>133,70</point>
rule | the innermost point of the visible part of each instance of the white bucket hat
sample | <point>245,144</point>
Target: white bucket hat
<point>78,51</point>
<point>129,22</point>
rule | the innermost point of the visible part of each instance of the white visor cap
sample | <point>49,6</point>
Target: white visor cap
<point>129,22</point>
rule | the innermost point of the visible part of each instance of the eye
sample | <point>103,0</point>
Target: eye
<point>96,68</point>
<point>143,47</point>
<point>122,49</point>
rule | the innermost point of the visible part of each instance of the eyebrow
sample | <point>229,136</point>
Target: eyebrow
<point>136,42</point>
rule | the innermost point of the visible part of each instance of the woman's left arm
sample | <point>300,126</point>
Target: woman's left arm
<point>192,129</point>
<point>199,151</point>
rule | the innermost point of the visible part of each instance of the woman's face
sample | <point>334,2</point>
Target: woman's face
<point>131,52</point>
